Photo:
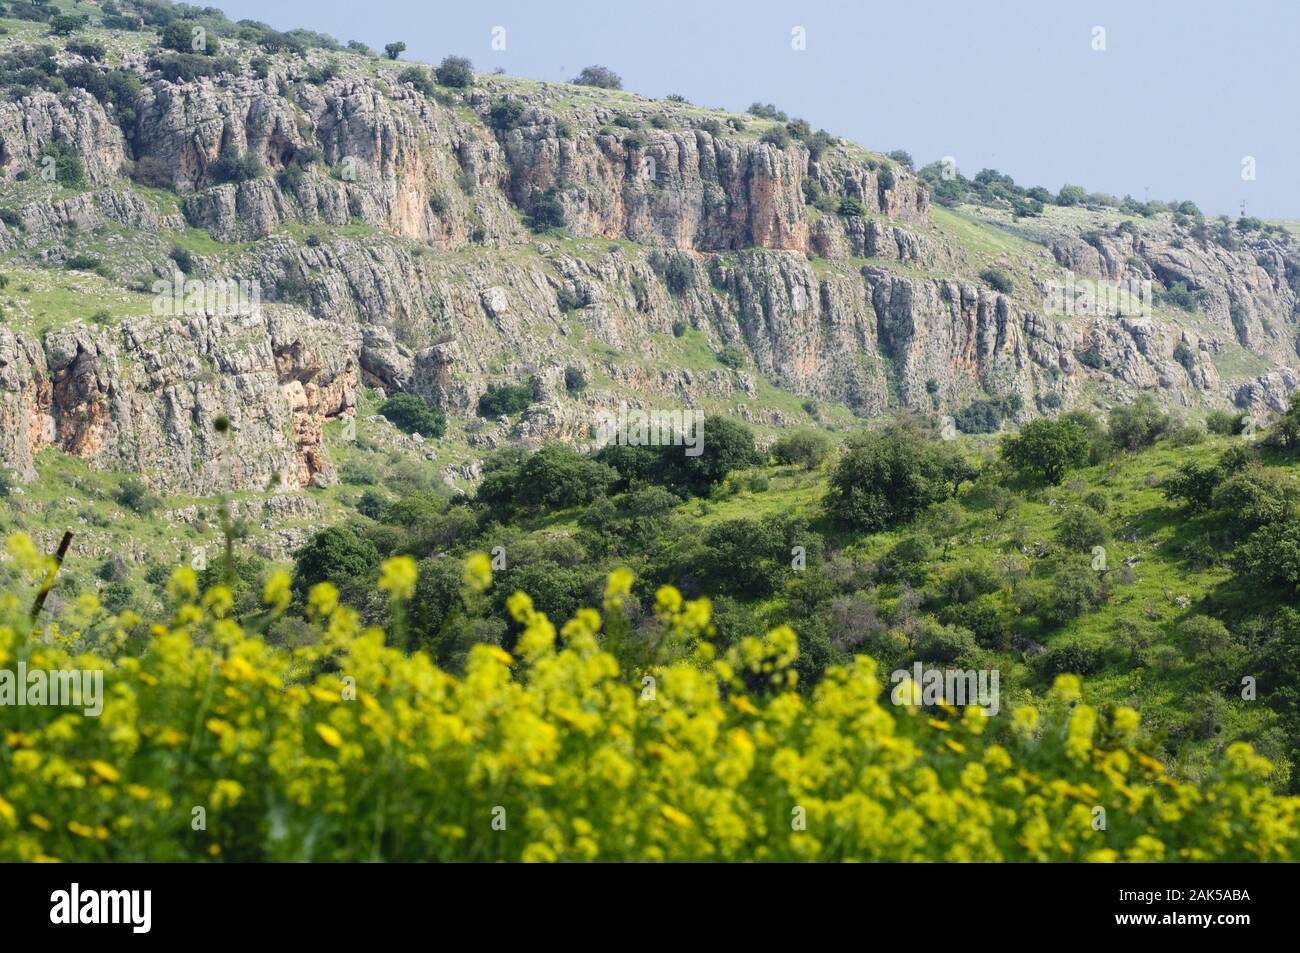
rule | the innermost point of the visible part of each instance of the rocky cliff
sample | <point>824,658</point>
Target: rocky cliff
<point>389,232</point>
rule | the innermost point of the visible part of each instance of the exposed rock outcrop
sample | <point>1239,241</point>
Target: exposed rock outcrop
<point>145,397</point>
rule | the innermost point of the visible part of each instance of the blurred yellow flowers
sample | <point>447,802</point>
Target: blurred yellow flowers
<point>352,749</point>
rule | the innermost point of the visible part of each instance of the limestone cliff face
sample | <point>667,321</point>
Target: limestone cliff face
<point>420,273</point>
<point>145,397</point>
<point>76,119</point>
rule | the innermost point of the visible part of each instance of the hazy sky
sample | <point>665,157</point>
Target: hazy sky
<point>1183,91</point>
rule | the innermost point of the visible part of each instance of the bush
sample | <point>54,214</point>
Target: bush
<point>505,114</point>
<point>599,76</point>
<point>1285,433</point>
<point>732,356</point>
<point>1071,195</point>
<point>456,72</point>
<point>132,493</point>
<point>777,136</point>
<point>338,555</point>
<point>850,207</point>
<point>82,263</point>
<point>69,171</point>
<point>1271,556</point>
<point>807,448</point>
<point>981,618</point>
<point>1254,497</point>
<point>1138,424</point>
<point>1193,484</point>
<point>675,271</point>
<point>766,111</point>
<point>318,74</point>
<point>187,67</point>
<point>574,380</point>
<point>1179,296</point>
<point>1081,528</point>
<point>985,415</point>
<point>997,279</point>
<point>412,414</point>
<point>182,259</point>
<point>418,77</point>
<point>548,212</point>
<point>505,400</point>
<point>232,166</point>
<point>90,49</point>
<point>1071,657</point>
<point>62,24</point>
<point>558,477</point>
<point>1226,423</point>
<point>184,36</point>
<point>1074,590</point>
<point>1045,450</point>
<point>888,478</point>
<point>207,679</point>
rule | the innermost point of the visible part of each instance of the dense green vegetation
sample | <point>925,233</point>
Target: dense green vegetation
<point>1156,560</point>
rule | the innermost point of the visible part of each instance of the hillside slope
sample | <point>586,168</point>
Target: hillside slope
<point>399,216</point>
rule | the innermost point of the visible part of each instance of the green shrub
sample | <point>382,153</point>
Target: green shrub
<point>81,263</point>
<point>889,477</point>
<point>413,414</point>
<point>1081,528</point>
<point>505,400</point>
<point>600,77</point>
<point>850,207</point>
<point>188,67</point>
<point>132,493</point>
<point>574,380</point>
<point>338,555</point>
<point>1138,424</point>
<point>63,24</point>
<point>732,356</point>
<point>456,72</point>
<point>997,279</point>
<point>232,166</point>
<point>548,211</point>
<point>182,258</point>
<point>69,171</point>
<point>1045,450</point>
<point>1074,658</point>
<point>418,77</point>
<point>675,271</point>
<point>505,114</point>
<point>1271,556</point>
<point>1226,423</point>
<point>90,49</point>
<point>806,448</point>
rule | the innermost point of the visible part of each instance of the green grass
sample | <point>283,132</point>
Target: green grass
<point>41,300</point>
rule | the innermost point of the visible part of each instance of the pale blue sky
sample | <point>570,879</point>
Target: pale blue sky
<point>1183,91</point>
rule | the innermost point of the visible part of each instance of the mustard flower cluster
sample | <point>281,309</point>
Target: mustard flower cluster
<point>215,745</point>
